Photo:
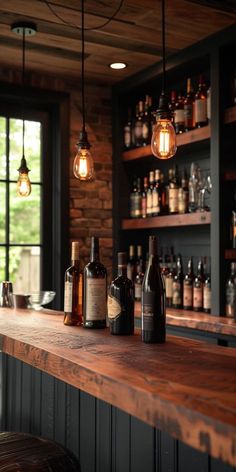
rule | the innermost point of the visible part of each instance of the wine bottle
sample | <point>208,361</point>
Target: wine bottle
<point>207,294</point>
<point>177,299</point>
<point>156,196</point>
<point>121,300</point>
<point>144,198</point>
<point>128,131</point>
<point>153,299</point>
<point>174,192</point>
<point>198,288</point>
<point>179,115</point>
<point>73,289</point>
<point>131,265</point>
<point>95,290</point>
<point>169,284</point>
<point>146,123</point>
<point>188,287</point>
<point>230,308</point>
<point>135,199</point>
<point>139,274</point>
<point>149,193</point>
<point>138,126</point>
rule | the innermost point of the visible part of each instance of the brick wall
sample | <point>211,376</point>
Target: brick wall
<point>90,202</point>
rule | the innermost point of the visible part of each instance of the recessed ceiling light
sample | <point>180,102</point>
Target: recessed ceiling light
<point>118,65</point>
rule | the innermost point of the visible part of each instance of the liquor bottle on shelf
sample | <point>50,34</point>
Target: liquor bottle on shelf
<point>169,284</point>
<point>230,307</point>
<point>135,199</point>
<point>146,124</point>
<point>121,300</point>
<point>149,193</point>
<point>173,100</point>
<point>156,196</point>
<point>189,108</point>
<point>152,116</point>
<point>209,104</point>
<point>128,131</point>
<point>200,107</point>
<point>177,298</point>
<point>193,188</point>
<point>139,259</point>
<point>174,191</point>
<point>163,192</point>
<point>233,223</point>
<point>73,289</point>
<point>138,125</point>
<point>144,198</point>
<point>188,287</point>
<point>198,288</point>
<point>207,293</point>
<point>183,194</point>
<point>131,265</point>
<point>95,290</point>
<point>179,115</point>
<point>166,265</point>
<point>153,299</point>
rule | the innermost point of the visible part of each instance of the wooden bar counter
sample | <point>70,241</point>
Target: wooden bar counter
<point>186,388</point>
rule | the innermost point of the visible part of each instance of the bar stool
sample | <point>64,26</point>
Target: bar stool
<point>20,452</point>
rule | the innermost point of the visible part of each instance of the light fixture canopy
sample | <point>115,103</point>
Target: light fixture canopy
<point>23,187</point>
<point>163,143</point>
<point>83,167</point>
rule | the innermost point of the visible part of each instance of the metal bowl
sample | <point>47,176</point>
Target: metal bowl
<point>39,299</point>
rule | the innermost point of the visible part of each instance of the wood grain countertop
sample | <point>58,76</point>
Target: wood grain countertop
<point>184,387</point>
<point>196,320</point>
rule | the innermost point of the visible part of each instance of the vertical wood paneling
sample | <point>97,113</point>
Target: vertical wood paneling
<point>120,441</point>
<point>3,393</point>
<point>168,453</point>
<point>72,419</point>
<point>142,453</point>
<point>191,459</point>
<point>87,434</point>
<point>47,406</point>
<point>218,466</point>
<point>36,403</point>
<point>26,398</point>
<point>60,412</point>
<point>103,437</point>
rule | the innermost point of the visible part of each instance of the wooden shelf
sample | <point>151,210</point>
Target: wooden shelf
<point>188,219</point>
<point>230,115</point>
<point>230,254</point>
<point>194,136</point>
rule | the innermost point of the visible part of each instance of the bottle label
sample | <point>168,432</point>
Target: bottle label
<point>200,111</point>
<point>182,201</point>
<point>197,297</point>
<point>113,308</point>
<point>150,313</point>
<point>173,200</point>
<point>135,205</point>
<point>179,116</point>
<point>169,287</point>
<point>155,202</point>
<point>177,293</point>
<point>145,130</point>
<point>188,295</point>
<point>95,299</point>
<point>149,203</point>
<point>68,297</point>
<point>207,298</point>
<point>138,130</point>
<point>137,291</point>
<point>188,112</point>
<point>144,207</point>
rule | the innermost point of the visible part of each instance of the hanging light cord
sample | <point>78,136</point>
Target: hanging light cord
<point>87,29</point>
<point>82,61</point>
<point>163,48</point>
<point>23,84</point>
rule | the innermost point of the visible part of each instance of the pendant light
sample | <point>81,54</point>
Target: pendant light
<point>83,163</point>
<point>23,187</point>
<point>163,143</point>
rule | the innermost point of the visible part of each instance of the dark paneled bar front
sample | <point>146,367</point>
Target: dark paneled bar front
<point>118,236</point>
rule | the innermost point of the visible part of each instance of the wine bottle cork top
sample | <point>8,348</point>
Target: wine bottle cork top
<point>153,245</point>
<point>122,259</point>
<point>75,251</point>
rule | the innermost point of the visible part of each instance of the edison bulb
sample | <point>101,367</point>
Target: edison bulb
<point>163,142</point>
<point>83,165</point>
<point>23,187</point>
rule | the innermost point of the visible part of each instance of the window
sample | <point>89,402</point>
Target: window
<point>34,243</point>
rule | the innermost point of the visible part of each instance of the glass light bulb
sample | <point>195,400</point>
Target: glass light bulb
<point>163,142</point>
<point>83,165</point>
<point>23,187</point>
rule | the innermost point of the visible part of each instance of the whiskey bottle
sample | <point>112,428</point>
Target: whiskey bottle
<point>144,198</point>
<point>95,290</point>
<point>188,287</point>
<point>131,265</point>
<point>179,115</point>
<point>156,196</point>
<point>177,298</point>
<point>207,294</point>
<point>174,192</point>
<point>198,288</point>
<point>73,289</point>
<point>189,107</point>
<point>200,106</point>
<point>149,193</point>
<point>135,199</point>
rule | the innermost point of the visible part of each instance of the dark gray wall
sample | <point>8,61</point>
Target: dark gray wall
<point>103,437</point>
